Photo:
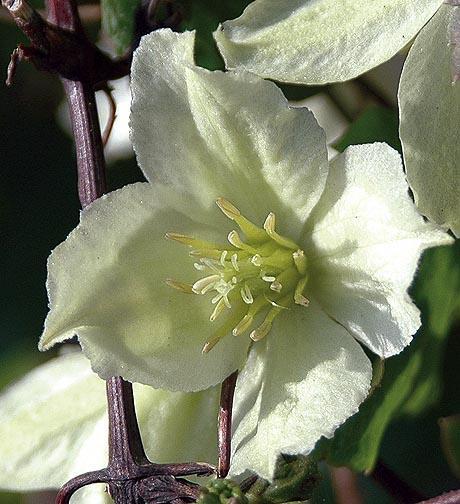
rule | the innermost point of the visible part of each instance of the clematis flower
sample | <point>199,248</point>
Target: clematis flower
<point>297,263</point>
<point>321,41</point>
<point>53,426</point>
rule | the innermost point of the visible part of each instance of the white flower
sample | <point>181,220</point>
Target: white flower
<point>53,427</point>
<point>297,292</point>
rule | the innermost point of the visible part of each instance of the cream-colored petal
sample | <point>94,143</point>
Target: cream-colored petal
<point>106,284</point>
<point>215,134</point>
<point>319,41</point>
<point>53,426</point>
<point>430,116</point>
<point>364,241</point>
<point>304,380</point>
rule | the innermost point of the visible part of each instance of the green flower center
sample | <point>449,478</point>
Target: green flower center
<point>264,274</point>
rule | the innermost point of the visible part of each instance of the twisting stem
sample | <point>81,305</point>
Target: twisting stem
<point>225,424</point>
<point>67,490</point>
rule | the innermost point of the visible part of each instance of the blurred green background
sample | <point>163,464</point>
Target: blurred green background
<point>39,206</point>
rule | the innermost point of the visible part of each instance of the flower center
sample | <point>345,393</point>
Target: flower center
<point>263,274</point>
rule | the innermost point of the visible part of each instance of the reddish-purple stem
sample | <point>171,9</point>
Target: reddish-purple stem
<point>225,424</point>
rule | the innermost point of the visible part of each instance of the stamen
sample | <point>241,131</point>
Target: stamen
<point>300,261</point>
<point>235,262</point>
<point>269,226</point>
<point>219,308</point>
<point>256,260</point>
<point>243,325</point>
<point>180,286</point>
<point>299,298</point>
<point>274,303</point>
<point>265,327</point>
<point>252,232</point>
<point>279,259</point>
<point>269,271</point>
<point>236,241</point>
<point>276,286</point>
<point>226,301</point>
<point>209,254</point>
<point>246,294</point>
<point>205,284</point>
<point>211,264</point>
<point>192,242</point>
<point>225,329</point>
<point>217,298</point>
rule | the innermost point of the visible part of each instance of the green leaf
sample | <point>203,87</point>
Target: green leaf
<point>450,441</point>
<point>411,381</point>
<point>375,124</point>
<point>204,17</point>
<point>118,22</point>
<point>437,293</point>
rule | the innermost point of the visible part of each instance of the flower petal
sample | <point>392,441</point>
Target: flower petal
<point>314,42</point>
<point>107,286</point>
<point>430,114</point>
<point>53,426</point>
<point>215,134</point>
<point>364,240</point>
<point>300,384</point>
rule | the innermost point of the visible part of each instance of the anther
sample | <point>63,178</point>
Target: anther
<point>252,232</point>
<point>191,242</point>
<point>265,327</point>
<point>180,286</point>
<point>234,261</point>
<point>256,260</point>
<point>276,286</point>
<point>199,267</point>
<point>235,240</point>
<point>222,257</point>
<point>228,209</point>
<point>243,325</point>
<point>205,284</point>
<point>218,309</point>
<point>269,226</point>
<point>246,294</point>
<point>299,298</point>
<point>261,331</point>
